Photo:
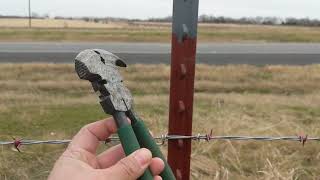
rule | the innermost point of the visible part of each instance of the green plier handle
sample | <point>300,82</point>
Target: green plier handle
<point>128,139</point>
<point>147,141</point>
<point>136,136</point>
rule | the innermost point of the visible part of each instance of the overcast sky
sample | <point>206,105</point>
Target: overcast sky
<point>159,8</point>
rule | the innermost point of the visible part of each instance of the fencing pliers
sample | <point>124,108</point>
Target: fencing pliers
<point>100,68</point>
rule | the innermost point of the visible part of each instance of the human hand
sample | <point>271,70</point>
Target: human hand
<point>80,162</point>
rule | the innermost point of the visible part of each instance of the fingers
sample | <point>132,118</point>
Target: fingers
<point>132,166</point>
<point>111,156</point>
<point>89,136</point>
<point>156,166</point>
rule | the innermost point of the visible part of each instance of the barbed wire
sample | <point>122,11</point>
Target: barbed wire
<point>164,138</point>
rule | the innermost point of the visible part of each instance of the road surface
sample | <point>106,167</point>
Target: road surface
<point>155,53</point>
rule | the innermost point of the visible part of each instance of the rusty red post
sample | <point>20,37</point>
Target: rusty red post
<point>183,54</point>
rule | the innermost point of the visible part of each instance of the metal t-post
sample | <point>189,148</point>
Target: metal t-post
<point>183,54</point>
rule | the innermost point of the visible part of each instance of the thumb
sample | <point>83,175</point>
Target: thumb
<point>132,166</point>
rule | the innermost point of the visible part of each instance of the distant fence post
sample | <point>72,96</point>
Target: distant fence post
<point>29,9</point>
<point>183,54</point>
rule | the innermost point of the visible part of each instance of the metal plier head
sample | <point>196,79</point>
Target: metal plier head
<point>100,68</point>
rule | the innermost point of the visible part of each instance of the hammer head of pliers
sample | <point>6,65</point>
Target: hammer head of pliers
<point>100,67</point>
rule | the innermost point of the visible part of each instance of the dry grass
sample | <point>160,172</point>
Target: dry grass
<point>75,30</point>
<point>56,23</point>
<point>47,101</point>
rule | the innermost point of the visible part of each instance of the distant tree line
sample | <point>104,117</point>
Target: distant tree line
<point>164,19</point>
<point>13,17</point>
<point>34,16</point>
<point>202,18</point>
<point>260,20</point>
<point>249,20</point>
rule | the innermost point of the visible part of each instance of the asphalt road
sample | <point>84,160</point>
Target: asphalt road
<point>155,53</point>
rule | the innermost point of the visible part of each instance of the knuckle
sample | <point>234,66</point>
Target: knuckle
<point>73,153</point>
<point>85,128</point>
<point>129,166</point>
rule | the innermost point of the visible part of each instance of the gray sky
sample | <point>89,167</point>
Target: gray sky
<point>159,8</point>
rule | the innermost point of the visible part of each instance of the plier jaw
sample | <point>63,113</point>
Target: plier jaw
<point>100,67</point>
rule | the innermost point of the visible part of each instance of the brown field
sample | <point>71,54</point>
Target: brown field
<point>76,30</point>
<point>47,101</point>
<point>56,23</point>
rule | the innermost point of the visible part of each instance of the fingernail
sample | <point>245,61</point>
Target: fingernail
<point>143,156</point>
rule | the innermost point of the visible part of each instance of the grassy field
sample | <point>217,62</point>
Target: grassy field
<point>47,101</point>
<point>75,30</point>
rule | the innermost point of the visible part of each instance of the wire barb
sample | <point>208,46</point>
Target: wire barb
<point>17,143</point>
<point>303,139</point>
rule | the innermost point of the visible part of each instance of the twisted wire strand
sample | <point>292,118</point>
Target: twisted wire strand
<point>164,138</point>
